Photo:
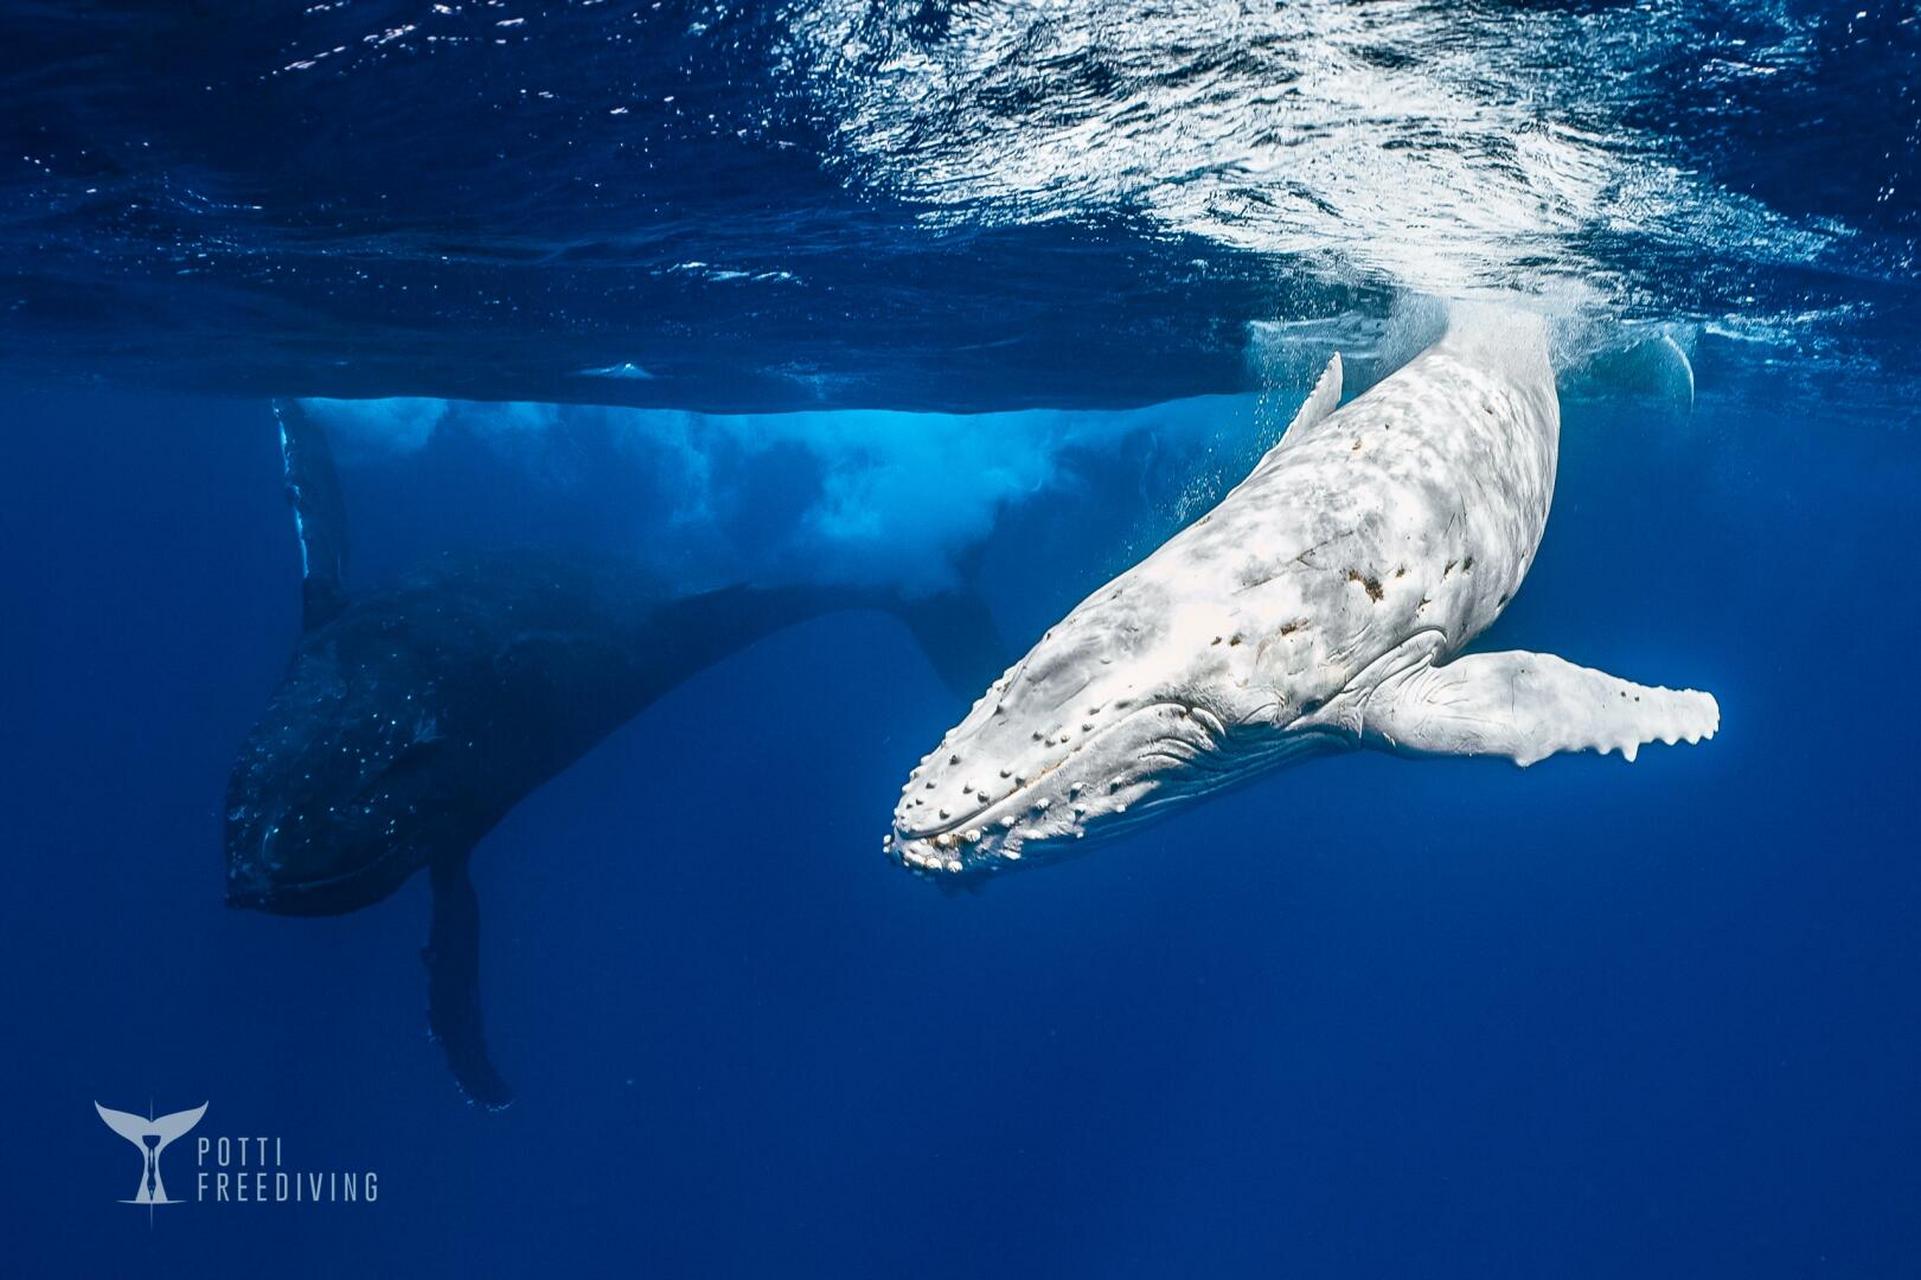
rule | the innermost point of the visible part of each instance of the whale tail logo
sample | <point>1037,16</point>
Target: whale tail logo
<point>151,1135</point>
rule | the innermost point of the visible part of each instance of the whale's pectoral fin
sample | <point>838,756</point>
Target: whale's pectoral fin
<point>1528,706</point>
<point>957,633</point>
<point>452,956</point>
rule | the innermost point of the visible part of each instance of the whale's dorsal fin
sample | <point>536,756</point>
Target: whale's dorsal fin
<point>319,514</point>
<point>1320,402</point>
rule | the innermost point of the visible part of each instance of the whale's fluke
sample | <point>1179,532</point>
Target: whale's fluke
<point>319,512</point>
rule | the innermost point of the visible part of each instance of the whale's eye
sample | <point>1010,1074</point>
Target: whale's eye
<point>412,760</point>
<point>414,757</point>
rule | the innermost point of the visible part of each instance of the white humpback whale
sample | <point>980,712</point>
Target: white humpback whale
<point>412,719</point>
<point>1324,604</point>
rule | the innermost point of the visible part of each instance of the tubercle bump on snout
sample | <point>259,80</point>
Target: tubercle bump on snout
<point>950,853</point>
<point>1054,804</point>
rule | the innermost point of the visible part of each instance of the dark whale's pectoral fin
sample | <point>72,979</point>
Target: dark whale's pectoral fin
<point>319,512</point>
<point>958,635</point>
<point>1528,706</point>
<point>452,956</point>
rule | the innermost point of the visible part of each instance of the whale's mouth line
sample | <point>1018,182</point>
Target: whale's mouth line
<point>983,817</point>
<point>254,884</point>
<point>1205,757</point>
<point>1018,801</point>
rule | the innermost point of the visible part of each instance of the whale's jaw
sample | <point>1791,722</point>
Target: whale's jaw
<point>1127,708</point>
<point>269,871</point>
<point>1025,804</point>
<point>1152,759</point>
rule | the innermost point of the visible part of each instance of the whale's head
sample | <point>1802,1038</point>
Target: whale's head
<point>1134,704</point>
<point>340,793</point>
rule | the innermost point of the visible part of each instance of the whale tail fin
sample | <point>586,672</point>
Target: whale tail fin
<point>319,512</point>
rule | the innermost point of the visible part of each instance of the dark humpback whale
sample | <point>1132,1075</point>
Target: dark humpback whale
<point>412,719</point>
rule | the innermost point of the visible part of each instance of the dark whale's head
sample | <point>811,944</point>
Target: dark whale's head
<point>340,793</point>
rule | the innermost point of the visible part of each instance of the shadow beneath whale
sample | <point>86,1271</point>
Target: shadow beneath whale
<point>412,719</point>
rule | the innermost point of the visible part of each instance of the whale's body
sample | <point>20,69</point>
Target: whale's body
<point>413,718</point>
<point>1323,604</point>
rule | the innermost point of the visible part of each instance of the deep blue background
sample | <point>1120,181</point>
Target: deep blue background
<point>1366,1017</point>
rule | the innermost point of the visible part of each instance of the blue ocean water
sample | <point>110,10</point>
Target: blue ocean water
<point>929,297</point>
